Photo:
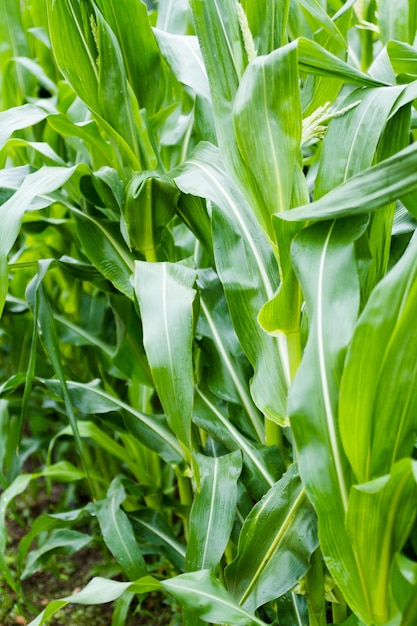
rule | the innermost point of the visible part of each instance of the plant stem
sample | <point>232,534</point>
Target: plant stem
<point>186,497</point>
<point>315,591</point>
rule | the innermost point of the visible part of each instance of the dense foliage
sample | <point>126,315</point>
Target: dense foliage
<point>208,286</point>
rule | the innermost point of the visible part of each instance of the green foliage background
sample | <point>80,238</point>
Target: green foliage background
<point>208,294</point>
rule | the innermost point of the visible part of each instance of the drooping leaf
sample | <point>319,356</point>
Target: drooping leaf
<point>153,430</point>
<point>19,117</point>
<point>117,531</point>
<point>267,122</point>
<point>316,60</point>
<point>104,246</point>
<point>403,57</point>
<point>364,192</point>
<point>203,594</point>
<point>38,184</point>
<point>248,272</point>
<point>166,295</point>
<point>98,591</point>
<point>214,508</point>
<point>60,541</point>
<point>183,55</point>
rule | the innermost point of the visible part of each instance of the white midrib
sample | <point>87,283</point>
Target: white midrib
<point>269,291</point>
<point>274,545</point>
<point>239,440</point>
<point>330,418</point>
<point>212,507</point>
<point>240,389</point>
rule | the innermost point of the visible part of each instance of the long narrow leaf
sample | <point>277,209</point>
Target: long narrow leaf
<point>377,395</point>
<point>247,270</point>
<point>39,183</point>
<point>365,192</point>
<point>202,594</point>
<point>214,508</point>
<point>324,261</point>
<point>117,531</point>
<point>380,517</point>
<point>275,544</point>
<point>91,399</point>
<point>166,295</point>
<point>267,121</point>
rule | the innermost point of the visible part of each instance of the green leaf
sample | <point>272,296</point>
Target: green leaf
<point>166,295</point>
<point>173,16</point>
<point>324,261</point>
<point>183,55</point>
<point>380,516</point>
<point>96,71</point>
<point>377,396</point>
<point>228,373</point>
<point>267,122</point>
<point>318,19</point>
<point>267,22</point>
<point>351,141</point>
<point>130,23</point>
<point>60,541</point>
<point>248,272</point>
<point>404,588</point>
<point>117,531</point>
<point>14,44</point>
<point>19,117</point>
<point>201,593</point>
<point>152,528</point>
<point>316,60</point>
<point>275,544</point>
<point>38,184</point>
<point>403,57</point>
<point>214,508</point>
<point>70,30</point>
<point>104,246</point>
<point>364,192</point>
<point>149,429</point>
<point>149,206</point>
<point>92,145</point>
<point>43,320</point>
<point>218,30</point>
<point>261,462</point>
<point>397,21</point>
<point>98,591</point>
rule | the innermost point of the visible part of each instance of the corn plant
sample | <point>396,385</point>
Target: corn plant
<point>208,285</point>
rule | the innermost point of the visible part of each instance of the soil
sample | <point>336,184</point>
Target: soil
<point>69,575</point>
